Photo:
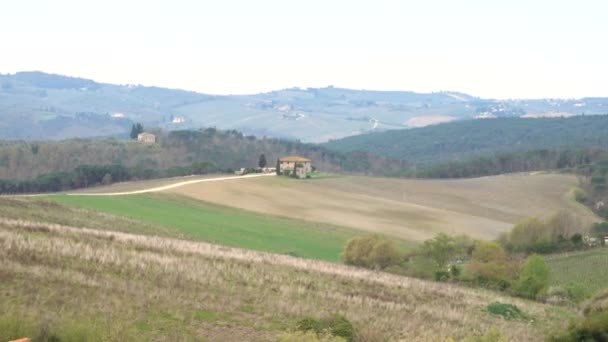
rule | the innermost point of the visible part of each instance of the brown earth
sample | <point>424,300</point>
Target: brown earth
<point>408,209</point>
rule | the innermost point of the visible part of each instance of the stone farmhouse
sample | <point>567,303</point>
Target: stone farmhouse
<point>146,137</point>
<point>302,166</point>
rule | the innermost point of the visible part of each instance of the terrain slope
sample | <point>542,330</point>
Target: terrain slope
<point>404,208</point>
<point>75,283</point>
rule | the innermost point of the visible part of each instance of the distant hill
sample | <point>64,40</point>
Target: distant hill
<point>224,149</point>
<point>39,106</point>
<point>466,139</point>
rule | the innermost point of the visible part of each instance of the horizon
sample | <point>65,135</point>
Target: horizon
<point>499,51</point>
<point>300,88</point>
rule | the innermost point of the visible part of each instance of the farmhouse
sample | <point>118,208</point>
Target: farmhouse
<point>146,137</point>
<point>302,166</point>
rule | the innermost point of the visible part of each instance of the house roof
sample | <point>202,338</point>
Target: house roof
<point>296,159</point>
<point>143,134</point>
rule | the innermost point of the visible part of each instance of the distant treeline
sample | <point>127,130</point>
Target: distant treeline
<point>91,175</point>
<point>462,140</point>
<point>579,161</point>
<point>58,165</point>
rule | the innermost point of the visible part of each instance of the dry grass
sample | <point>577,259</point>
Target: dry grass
<point>151,288</point>
<point>407,209</point>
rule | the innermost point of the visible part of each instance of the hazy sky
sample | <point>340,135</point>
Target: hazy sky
<point>500,49</point>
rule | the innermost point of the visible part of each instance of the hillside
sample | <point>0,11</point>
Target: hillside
<point>405,209</point>
<point>172,155</point>
<point>40,106</point>
<point>465,139</point>
<point>65,282</point>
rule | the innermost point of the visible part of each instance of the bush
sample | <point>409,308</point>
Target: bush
<point>592,328</point>
<point>335,325</point>
<point>577,292</point>
<point>490,266</point>
<point>534,277</point>
<point>442,275</point>
<point>507,311</point>
<point>372,251</point>
<point>338,325</point>
<point>309,324</point>
<point>580,196</point>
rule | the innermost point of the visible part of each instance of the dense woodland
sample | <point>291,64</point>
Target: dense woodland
<point>463,140</point>
<point>53,166</point>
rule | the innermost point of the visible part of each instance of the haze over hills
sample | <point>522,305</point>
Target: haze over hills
<point>38,106</point>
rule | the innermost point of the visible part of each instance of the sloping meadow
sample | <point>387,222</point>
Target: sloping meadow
<point>92,284</point>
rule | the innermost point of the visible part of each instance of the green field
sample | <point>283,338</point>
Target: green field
<point>224,225</point>
<point>589,268</point>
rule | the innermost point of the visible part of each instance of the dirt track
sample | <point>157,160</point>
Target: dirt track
<point>168,186</point>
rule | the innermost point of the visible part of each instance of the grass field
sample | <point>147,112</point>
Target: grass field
<point>404,208</point>
<point>588,268</point>
<point>78,284</point>
<point>224,225</point>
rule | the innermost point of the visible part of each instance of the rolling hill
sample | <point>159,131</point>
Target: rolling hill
<point>465,139</point>
<point>39,106</point>
<point>410,210</point>
<point>83,280</point>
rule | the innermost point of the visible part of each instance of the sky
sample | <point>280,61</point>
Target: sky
<point>487,48</point>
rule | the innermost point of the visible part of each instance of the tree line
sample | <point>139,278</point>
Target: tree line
<point>85,176</point>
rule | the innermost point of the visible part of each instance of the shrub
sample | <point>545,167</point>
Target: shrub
<point>442,275</point>
<point>577,292</point>
<point>422,267</point>
<point>455,271</point>
<point>338,325</point>
<point>593,327</point>
<point>534,277</point>
<point>309,324</point>
<point>371,250</point>
<point>335,325</point>
<point>507,311</point>
<point>580,196</point>
<point>490,266</point>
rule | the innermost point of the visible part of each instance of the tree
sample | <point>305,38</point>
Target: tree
<point>107,179</point>
<point>262,161</point>
<point>136,129</point>
<point>490,266</point>
<point>372,251</point>
<point>534,277</point>
<point>278,167</point>
<point>441,249</point>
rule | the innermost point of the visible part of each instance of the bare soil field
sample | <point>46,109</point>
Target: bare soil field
<point>404,208</point>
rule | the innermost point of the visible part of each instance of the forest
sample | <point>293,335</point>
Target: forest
<point>463,140</point>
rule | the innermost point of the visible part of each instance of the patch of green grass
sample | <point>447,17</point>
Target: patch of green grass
<point>224,225</point>
<point>507,311</point>
<point>588,269</point>
<point>323,175</point>
<point>204,315</point>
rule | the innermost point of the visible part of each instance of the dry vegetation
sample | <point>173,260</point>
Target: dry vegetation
<point>118,286</point>
<point>408,209</point>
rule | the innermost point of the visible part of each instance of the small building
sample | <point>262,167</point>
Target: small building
<point>146,137</point>
<point>301,165</point>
